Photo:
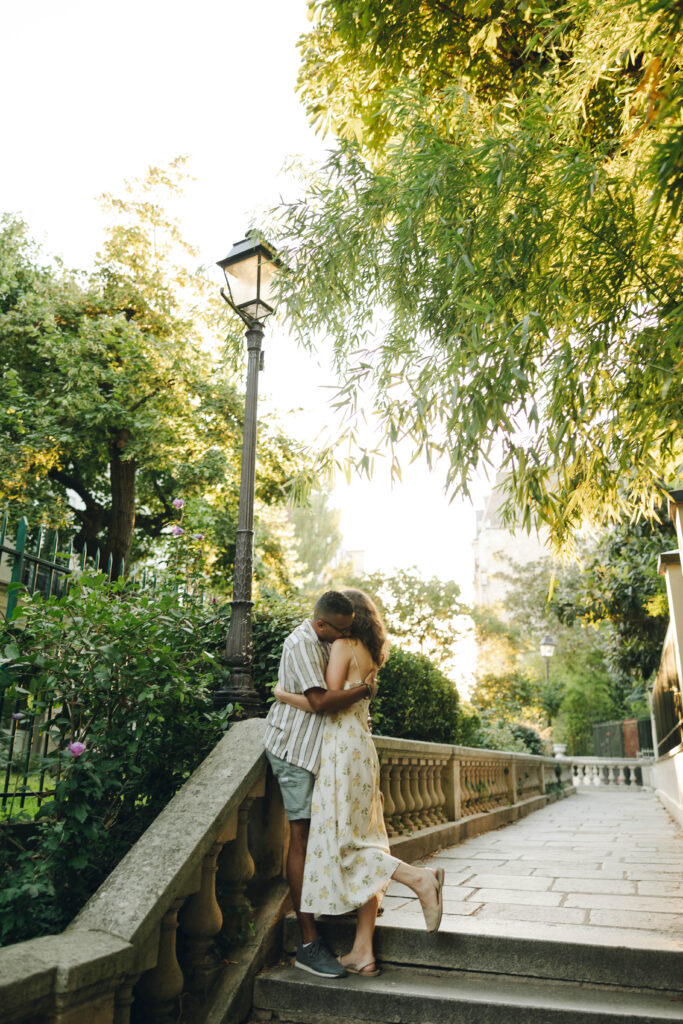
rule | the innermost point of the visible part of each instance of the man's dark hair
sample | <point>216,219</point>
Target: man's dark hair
<point>332,603</point>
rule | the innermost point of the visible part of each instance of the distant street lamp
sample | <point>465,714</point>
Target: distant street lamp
<point>250,270</point>
<point>547,649</point>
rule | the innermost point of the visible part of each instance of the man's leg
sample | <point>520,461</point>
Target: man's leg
<point>296,858</point>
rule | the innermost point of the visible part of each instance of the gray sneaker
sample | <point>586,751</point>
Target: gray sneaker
<point>317,959</point>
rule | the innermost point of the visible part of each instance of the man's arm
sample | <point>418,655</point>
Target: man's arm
<point>325,702</point>
<point>319,700</point>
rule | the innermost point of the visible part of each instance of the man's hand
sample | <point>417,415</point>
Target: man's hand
<point>371,681</point>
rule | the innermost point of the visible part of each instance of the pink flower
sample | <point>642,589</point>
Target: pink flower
<point>197,536</point>
<point>77,748</point>
<point>18,715</point>
<point>177,531</point>
<point>178,503</point>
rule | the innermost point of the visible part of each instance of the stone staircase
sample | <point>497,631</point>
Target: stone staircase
<point>487,977</point>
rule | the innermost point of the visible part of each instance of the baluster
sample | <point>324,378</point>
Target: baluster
<point>500,786</point>
<point>465,791</point>
<point>385,789</point>
<point>399,803</point>
<point>477,784</point>
<point>430,772</point>
<point>407,794</point>
<point>159,988</point>
<point>123,1000</point>
<point>416,813</point>
<point>235,868</point>
<point>425,811</point>
<point>200,922</point>
<point>439,769</point>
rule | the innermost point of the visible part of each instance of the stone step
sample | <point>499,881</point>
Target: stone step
<point>415,996</point>
<point>654,963</point>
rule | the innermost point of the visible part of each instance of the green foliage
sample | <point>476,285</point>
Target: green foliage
<point>420,613</point>
<point>587,701</point>
<point>507,190</point>
<point>416,701</point>
<point>318,538</point>
<point>274,619</point>
<point>529,737</point>
<point>621,592</point>
<point>129,676</point>
<point>111,402</point>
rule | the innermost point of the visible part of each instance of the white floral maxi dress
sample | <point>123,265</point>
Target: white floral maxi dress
<point>347,859</point>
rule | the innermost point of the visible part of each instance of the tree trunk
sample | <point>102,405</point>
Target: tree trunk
<point>122,475</point>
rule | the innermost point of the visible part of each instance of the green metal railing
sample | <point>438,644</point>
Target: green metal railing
<point>32,564</point>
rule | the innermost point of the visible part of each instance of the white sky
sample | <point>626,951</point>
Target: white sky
<point>95,93</point>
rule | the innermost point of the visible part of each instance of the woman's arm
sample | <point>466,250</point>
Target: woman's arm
<point>297,700</point>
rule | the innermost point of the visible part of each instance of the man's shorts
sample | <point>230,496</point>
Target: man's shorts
<point>296,786</point>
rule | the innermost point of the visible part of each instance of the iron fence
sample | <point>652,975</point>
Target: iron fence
<point>30,564</point>
<point>667,707</point>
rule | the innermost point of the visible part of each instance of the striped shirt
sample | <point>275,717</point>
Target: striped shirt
<point>292,734</point>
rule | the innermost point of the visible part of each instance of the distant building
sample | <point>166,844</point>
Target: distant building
<point>496,545</point>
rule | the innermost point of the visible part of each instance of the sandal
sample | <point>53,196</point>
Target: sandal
<point>359,969</point>
<point>433,915</point>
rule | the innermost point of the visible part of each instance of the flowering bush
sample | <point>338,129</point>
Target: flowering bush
<point>128,674</point>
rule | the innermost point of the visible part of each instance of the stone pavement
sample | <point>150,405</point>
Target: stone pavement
<point>603,867</point>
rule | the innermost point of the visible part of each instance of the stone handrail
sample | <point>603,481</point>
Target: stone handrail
<point>612,772</point>
<point>121,948</point>
<point>220,840</point>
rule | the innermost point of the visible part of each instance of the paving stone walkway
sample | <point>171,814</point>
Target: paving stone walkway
<point>604,867</point>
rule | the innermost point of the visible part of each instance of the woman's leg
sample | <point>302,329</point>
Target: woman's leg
<point>361,951</point>
<point>428,887</point>
<point>420,880</point>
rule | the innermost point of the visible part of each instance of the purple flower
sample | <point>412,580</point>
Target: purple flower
<point>77,748</point>
<point>178,503</point>
<point>18,715</point>
<point>197,536</point>
<point>177,531</point>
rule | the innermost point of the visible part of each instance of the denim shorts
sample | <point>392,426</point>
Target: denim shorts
<point>296,785</point>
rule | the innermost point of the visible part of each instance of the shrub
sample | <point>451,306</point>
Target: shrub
<point>128,675</point>
<point>529,737</point>
<point>272,623</point>
<point>416,700</point>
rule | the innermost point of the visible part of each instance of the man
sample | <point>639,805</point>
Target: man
<point>293,740</point>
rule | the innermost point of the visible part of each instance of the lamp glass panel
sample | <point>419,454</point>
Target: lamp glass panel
<point>547,650</point>
<point>242,278</point>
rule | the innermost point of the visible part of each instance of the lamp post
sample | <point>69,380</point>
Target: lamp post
<point>547,649</point>
<point>250,269</point>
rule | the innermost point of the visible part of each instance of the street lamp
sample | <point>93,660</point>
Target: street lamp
<point>250,270</point>
<point>547,649</point>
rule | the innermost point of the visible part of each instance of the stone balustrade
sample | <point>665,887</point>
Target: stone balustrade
<point>181,926</point>
<point>436,794</point>
<point>612,772</point>
<point>151,944</point>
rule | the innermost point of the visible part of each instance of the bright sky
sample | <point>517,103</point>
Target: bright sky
<point>96,93</point>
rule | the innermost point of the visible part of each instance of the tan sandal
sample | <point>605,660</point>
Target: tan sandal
<point>433,915</point>
<point>359,969</point>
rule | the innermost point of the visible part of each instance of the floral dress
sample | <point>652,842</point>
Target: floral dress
<point>347,859</point>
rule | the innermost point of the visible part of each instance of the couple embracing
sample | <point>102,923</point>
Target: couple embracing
<point>320,748</point>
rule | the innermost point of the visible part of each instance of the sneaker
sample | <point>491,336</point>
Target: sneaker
<point>317,959</point>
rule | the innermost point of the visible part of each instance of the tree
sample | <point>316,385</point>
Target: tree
<point>111,405</point>
<point>507,189</point>
<point>621,592</point>
<point>419,613</point>
<point>318,536</point>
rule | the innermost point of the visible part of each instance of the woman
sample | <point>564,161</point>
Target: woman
<point>348,863</point>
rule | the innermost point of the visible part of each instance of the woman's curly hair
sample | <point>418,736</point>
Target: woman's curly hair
<point>367,625</point>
